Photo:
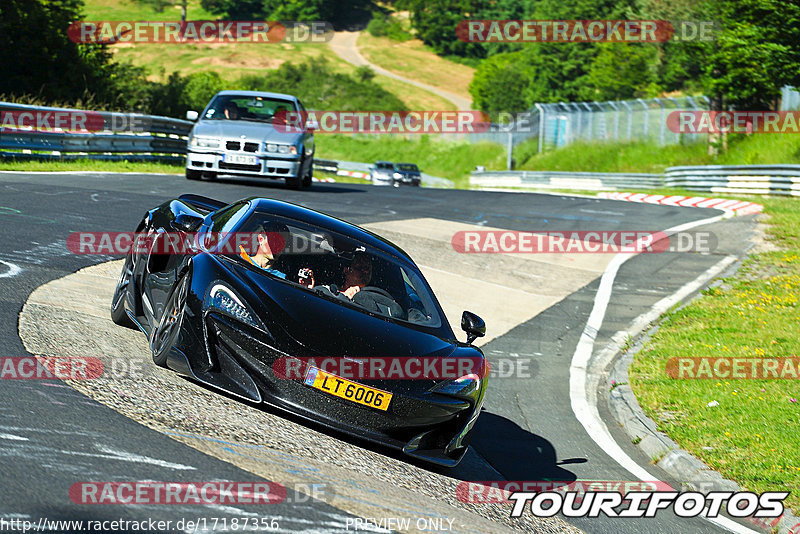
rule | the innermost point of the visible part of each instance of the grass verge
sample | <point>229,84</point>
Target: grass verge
<point>453,161</point>
<point>751,435</point>
<point>414,60</point>
<point>88,165</point>
<point>652,158</point>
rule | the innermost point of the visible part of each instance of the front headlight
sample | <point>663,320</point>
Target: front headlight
<point>203,142</point>
<point>465,386</point>
<point>281,149</point>
<point>223,299</point>
<point>397,175</point>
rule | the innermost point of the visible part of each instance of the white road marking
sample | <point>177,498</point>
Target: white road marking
<point>602,212</point>
<point>585,409</point>
<point>124,456</point>
<point>13,437</point>
<point>13,270</point>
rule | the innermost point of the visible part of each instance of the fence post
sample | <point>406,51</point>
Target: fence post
<point>540,109</point>
<point>579,128</point>
<point>646,114</point>
<point>616,119</point>
<point>630,118</point>
<point>510,149</point>
<point>663,122</point>
<point>590,122</point>
<point>677,106</point>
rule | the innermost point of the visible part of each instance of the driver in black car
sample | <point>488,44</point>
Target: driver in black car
<point>356,276</point>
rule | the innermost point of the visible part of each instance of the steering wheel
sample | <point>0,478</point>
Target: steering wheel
<point>379,291</point>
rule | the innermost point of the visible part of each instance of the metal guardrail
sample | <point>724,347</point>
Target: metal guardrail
<point>566,180</point>
<point>734,179</point>
<point>143,137</point>
<point>746,179</point>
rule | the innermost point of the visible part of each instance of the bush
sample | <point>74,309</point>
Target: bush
<point>387,26</point>
<point>319,87</point>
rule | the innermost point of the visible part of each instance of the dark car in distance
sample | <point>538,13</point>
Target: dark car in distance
<point>406,174</point>
<point>216,316</point>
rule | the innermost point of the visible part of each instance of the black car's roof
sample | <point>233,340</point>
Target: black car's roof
<point>326,222</point>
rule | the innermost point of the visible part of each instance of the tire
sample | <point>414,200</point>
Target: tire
<point>294,182</point>
<point>308,179</point>
<point>118,314</point>
<point>210,175</point>
<point>192,174</point>
<point>166,333</point>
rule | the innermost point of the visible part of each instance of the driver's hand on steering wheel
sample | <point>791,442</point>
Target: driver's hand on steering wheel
<point>350,292</point>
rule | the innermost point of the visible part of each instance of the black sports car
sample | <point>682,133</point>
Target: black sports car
<point>236,318</point>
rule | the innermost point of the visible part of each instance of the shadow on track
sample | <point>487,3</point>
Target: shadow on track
<point>516,453</point>
<point>318,187</point>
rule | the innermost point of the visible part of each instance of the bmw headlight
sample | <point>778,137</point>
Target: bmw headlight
<point>203,142</point>
<point>277,148</point>
<point>223,299</point>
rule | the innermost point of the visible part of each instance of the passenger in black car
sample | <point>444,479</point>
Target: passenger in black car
<point>356,276</point>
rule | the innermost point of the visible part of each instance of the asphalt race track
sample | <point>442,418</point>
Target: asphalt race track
<point>53,435</point>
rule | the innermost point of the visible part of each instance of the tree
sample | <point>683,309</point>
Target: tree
<point>756,54</point>
<point>337,12</point>
<point>499,86</point>
<point>621,71</point>
<point>160,5</point>
<point>435,22</point>
<point>235,9</point>
<point>40,60</point>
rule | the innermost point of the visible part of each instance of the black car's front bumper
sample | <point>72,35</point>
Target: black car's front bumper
<point>434,426</point>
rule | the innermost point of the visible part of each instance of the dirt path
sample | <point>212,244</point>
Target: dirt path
<point>344,44</point>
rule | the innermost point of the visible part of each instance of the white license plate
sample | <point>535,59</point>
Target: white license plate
<point>240,159</point>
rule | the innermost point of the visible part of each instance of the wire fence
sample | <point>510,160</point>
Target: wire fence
<point>560,124</point>
<point>790,99</point>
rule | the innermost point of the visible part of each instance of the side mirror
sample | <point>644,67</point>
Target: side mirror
<point>186,222</point>
<point>312,125</point>
<point>473,326</point>
<point>192,115</point>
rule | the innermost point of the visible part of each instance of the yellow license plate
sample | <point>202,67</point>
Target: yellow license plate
<point>348,390</point>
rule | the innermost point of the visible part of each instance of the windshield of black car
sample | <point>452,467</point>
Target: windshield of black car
<point>407,167</point>
<point>331,264</point>
<point>248,108</point>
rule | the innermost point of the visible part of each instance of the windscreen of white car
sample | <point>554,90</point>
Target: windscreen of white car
<point>248,108</point>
